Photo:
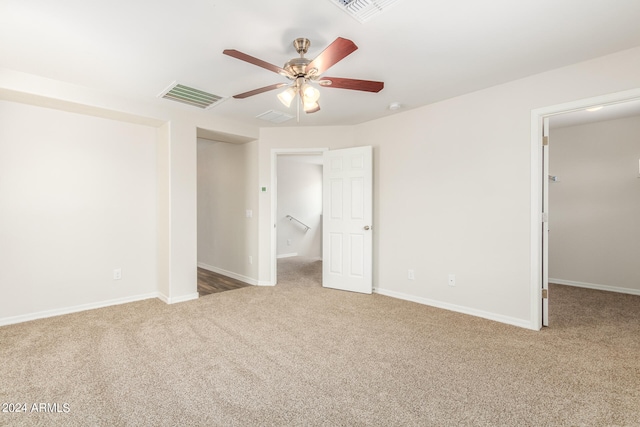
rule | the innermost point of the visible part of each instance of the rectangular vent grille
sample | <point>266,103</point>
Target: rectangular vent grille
<point>274,116</point>
<point>363,10</point>
<point>188,95</point>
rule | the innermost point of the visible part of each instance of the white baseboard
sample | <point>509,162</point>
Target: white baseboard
<point>287,255</point>
<point>75,309</point>
<point>595,286</point>
<point>522,323</point>
<point>265,283</point>
<point>231,274</point>
<point>176,300</point>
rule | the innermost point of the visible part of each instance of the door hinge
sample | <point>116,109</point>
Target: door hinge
<point>545,293</point>
<point>545,217</point>
<point>545,140</point>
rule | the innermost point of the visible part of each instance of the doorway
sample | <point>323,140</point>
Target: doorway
<point>540,186</point>
<point>347,206</point>
<point>224,215</point>
<point>297,234</point>
<point>299,217</point>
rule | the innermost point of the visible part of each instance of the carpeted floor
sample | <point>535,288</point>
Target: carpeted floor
<point>298,354</point>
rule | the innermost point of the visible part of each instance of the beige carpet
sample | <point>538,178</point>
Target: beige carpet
<point>298,354</point>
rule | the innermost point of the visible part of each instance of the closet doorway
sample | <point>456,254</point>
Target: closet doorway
<point>601,116</point>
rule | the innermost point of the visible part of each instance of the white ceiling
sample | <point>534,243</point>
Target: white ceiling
<point>600,113</point>
<point>424,51</point>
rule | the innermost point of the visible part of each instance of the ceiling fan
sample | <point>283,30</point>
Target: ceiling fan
<point>304,72</point>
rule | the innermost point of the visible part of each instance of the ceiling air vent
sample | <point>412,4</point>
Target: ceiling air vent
<point>363,10</point>
<point>274,116</point>
<point>188,95</point>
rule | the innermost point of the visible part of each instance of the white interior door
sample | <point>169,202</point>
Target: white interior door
<point>545,222</point>
<point>347,195</point>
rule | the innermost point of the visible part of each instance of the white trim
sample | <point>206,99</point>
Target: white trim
<point>536,221</point>
<point>287,255</point>
<point>265,283</point>
<point>68,310</point>
<point>275,152</point>
<point>536,188</point>
<point>595,286</point>
<point>175,300</point>
<point>240,277</point>
<point>522,323</point>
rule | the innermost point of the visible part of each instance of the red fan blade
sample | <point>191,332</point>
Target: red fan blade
<point>257,91</point>
<point>255,61</point>
<point>353,84</point>
<point>334,53</point>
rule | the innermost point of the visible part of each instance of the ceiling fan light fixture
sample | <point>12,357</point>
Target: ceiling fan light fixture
<point>311,107</point>
<point>309,93</point>
<point>287,96</point>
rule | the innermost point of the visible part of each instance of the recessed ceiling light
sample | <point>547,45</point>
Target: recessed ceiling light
<point>596,108</point>
<point>395,106</point>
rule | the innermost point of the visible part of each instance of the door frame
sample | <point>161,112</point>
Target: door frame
<point>537,248</point>
<point>275,152</point>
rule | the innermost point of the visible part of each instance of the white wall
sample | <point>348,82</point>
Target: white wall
<point>226,190</point>
<point>452,188</point>
<point>77,199</point>
<point>595,207</point>
<point>182,250</point>
<point>451,196</point>
<point>299,195</point>
<point>163,174</point>
<point>452,183</point>
<point>176,126</point>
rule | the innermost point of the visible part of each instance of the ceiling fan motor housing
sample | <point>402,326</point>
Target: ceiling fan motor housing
<point>297,67</point>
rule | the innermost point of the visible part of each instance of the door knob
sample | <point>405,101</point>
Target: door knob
<point>366,227</point>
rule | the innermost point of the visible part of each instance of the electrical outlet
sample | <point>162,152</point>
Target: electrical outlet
<point>117,273</point>
<point>452,280</point>
<point>411,275</point>
<point>288,242</point>
<point>250,259</point>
